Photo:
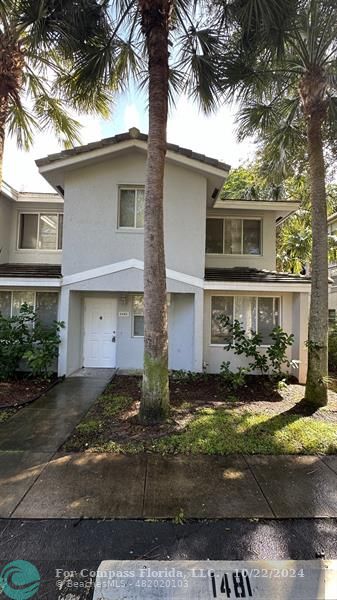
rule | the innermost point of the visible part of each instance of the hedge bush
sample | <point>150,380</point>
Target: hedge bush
<point>25,342</point>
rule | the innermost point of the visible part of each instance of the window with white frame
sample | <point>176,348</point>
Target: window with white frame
<point>259,314</point>
<point>232,235</point>
<point>131,207</point>
<point>45,304</point>
<point>138,316</point>
<point>40,231</point>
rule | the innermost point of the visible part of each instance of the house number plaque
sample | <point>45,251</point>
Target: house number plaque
<point>209,580</point>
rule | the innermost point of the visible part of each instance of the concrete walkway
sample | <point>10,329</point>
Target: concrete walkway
<point>29,440</point>
<point>37,481</point>
<point>151,487</point>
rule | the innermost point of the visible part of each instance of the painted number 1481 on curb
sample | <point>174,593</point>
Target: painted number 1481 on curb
<point>233,585</point>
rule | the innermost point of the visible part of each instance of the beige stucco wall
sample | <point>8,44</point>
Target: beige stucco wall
<point>91,236</point>
<point>17,255</point>
<point>267,260</point>
<point>294,319</point>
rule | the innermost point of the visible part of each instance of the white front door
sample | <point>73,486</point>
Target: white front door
<point>100,323</point>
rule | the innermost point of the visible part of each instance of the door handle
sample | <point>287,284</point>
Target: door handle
<point>113,339</point>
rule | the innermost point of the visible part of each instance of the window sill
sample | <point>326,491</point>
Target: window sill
<point>26,250</point>
<point>235,255</point>
<point>130,230</point>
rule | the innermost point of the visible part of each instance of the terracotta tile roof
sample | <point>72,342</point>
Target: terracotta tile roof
<point>253,275</point>
<point>132,134</point>
<point>30,270</point>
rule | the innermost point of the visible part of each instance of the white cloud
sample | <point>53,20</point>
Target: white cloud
<point>212,135</point>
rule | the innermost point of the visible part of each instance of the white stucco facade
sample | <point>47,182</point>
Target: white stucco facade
<point>102,263</point>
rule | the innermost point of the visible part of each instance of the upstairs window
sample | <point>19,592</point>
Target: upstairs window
<point>233,236</point>
<point>40,231</point>
<point>131,208</point>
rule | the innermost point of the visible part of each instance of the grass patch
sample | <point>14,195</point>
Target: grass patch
<point>227,432</point>
<point>113,405</point>
<point>205,419</point>
<point>6,413</point>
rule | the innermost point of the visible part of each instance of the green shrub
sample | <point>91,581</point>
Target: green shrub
<point>277,351</point>
<point>333,349</point>
<point>180,375</point>
<point>25,338</point>
<point>15,340</point>
<point>234,380</point>
<point>271,360</point>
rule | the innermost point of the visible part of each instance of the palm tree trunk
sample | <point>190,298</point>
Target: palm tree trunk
<point>3,119</point>
<point>316,386</point>
<point>155,396</point>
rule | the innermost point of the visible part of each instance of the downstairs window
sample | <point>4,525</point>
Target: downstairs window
<point>138,316</point>
<point>45,304</point>
<point>259,314</point>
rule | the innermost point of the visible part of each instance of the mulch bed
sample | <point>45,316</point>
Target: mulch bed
<point>23,390</point>
<point>188,397</point>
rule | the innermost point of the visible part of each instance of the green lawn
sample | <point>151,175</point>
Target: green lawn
<point>218,430</point>
<point>227,432</point>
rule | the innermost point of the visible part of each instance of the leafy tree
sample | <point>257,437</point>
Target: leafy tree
<point>249,183</point>
<point>39,41</point>
<point>294,239</point>
<point>289,97</point>
<point>240,181</point>
<point>170,46</point>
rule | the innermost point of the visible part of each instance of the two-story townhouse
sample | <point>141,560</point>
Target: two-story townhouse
<point>220,258</point>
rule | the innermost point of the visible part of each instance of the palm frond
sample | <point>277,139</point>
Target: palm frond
<point>51,113</point>
<point>21,124</point>
<point>264,22</point>
<point>5,12</point>
<point>282,149</point>
<point>256,118</point>
<point>199,64</point>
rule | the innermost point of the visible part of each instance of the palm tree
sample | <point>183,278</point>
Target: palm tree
<point>170,46</point>
<point>294,245</point>
<point>39,41</point>
<point>289,97</point>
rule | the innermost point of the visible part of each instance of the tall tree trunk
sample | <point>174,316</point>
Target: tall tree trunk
<point>3,119</point>
<point>155,395</point>
<point>316,386</point>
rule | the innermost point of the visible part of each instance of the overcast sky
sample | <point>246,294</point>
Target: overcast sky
<point>213,135</point>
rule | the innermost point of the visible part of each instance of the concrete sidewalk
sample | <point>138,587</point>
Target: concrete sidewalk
<point>150,486</point>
